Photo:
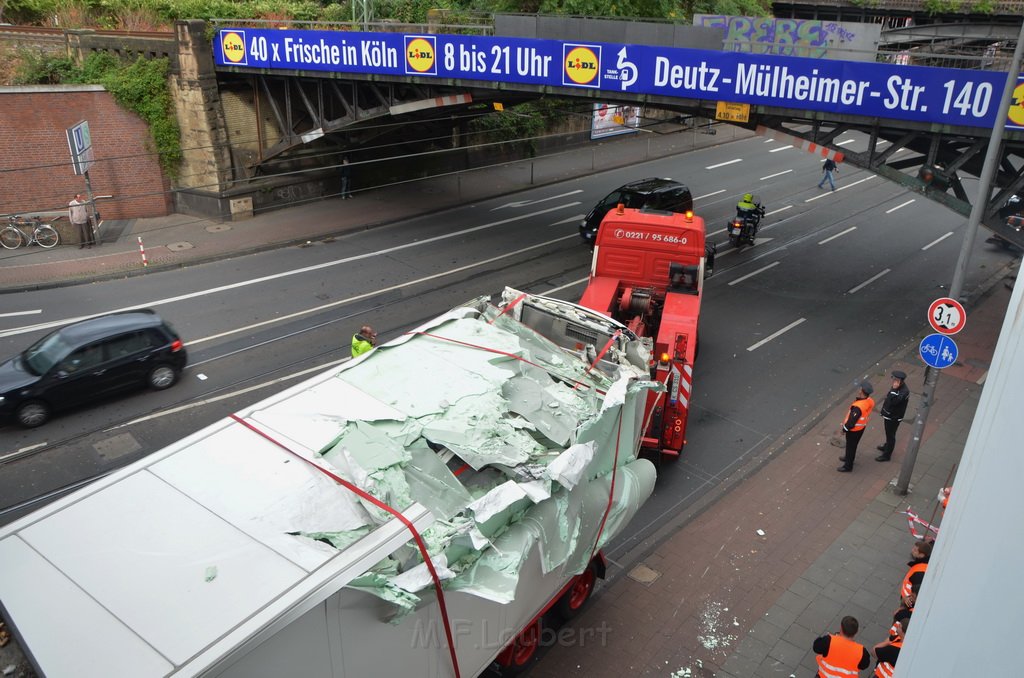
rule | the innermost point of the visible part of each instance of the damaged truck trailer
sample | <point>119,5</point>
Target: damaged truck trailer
<point>413,512</point>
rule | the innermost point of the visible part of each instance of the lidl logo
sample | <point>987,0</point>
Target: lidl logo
<point>1016,112</point>
<point>232,46</point>
<point>420,55</point>
<point>581,65</point>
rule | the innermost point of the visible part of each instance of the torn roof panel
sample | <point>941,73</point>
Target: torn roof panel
<point>443,422</point>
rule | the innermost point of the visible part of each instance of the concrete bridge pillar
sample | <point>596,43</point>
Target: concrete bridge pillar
<point>206,159</point>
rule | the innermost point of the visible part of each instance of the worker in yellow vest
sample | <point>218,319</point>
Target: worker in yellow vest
<point>363,341</point>
<point>839,655</point>
<point>856,422</point>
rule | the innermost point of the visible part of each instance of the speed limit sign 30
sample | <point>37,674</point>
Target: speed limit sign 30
<point>947,316</point>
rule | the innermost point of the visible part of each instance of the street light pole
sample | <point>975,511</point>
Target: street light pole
<point>931,374</point>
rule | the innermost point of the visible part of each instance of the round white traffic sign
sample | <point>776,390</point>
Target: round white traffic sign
<point>947,316</point>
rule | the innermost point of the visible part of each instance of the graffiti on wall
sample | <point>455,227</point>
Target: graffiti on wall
<point>785,37</point>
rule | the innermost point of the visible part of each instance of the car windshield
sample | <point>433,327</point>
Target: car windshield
<point>46,353</point>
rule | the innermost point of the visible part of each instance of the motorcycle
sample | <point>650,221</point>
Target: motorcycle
<point>742,229</point>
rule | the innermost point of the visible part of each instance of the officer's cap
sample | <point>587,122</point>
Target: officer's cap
<point>899,374</point>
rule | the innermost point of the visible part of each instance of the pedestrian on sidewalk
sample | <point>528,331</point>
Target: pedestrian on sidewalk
<point>839,655</point>
<point>363,341</point>
<point>888,651</point>
<point>912,580</point>
<point>829,168</point>
<point>893,409</point>
<point>346,179</point>
<point>944,497</point>
<point>79,215</point>
<point>856,422</point>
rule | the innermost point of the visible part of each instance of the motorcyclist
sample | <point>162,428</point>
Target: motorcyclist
<point>747,208</point>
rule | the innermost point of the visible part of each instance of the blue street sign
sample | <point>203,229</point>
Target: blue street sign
<point>938,350</point>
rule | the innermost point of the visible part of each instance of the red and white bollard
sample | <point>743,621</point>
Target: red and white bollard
<point>142,251</point>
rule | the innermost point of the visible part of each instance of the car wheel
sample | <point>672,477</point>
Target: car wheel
<point>162,376</point>
<point>33,413</point>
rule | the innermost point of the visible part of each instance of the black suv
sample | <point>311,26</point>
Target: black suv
<point>88,360</point>
<point>653,194</point>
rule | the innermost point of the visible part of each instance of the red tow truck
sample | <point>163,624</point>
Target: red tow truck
<point>647,273</point>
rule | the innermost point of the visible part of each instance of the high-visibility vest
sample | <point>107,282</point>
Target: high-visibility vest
<point>842,659</point>
<point>865,406</point>
<point>885,669</point>
<point>905,590</point>
<point>359,346</point>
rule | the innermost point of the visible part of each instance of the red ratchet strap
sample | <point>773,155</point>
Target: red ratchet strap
<point>601,354</point>
<point>397,514</point>
<point>611,491</point>
<point>515,302</point>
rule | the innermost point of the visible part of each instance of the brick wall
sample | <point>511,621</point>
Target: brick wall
<point>35,163</point>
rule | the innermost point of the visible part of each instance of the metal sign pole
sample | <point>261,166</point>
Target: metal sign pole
<point>93,221</point>
<point>931,375</point>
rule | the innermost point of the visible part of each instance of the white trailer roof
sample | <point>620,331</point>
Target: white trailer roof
<point>177,559</point>
<point>188,558</point>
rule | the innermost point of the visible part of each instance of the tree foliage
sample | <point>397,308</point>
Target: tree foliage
<point>150,14</point>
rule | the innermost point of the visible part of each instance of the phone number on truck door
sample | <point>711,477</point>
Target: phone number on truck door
<point>655,237</point>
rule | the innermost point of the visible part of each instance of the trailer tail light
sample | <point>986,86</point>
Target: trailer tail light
<point>620,209</point>
<point>176,345</point>
<point>664,357</point>
<point>689,215</point>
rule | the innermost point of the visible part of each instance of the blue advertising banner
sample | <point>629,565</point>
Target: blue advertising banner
<point>936,95</point>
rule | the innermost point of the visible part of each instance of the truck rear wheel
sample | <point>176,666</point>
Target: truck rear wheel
<point>573,600</point>
<point>520,655</point>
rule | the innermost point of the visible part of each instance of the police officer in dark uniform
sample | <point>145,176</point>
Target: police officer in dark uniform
<point>893,409</point>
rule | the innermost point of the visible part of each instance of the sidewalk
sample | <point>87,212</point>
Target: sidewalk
<point>179,240</point>
<point>744,588</point>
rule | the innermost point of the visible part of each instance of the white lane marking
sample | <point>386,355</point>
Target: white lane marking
<point>841,188</point>
<point>723,164</point>
<point>781,209</point>
<point>224,396</point>
<point>935,242</point>
<point>785,329</point>
<point>777,174</point>
<point>838,235</point>
<point>22,451</point>
<point>708,195</point>
<point>11,315</point>
<point>575,217</point>
<point>759,241</point>
<point>848,141</point>
<point>562,287</point>
<point>780,148</point>
<point>752,274</point>
<point>902,204</point>
<point>349,300</point>
<point>524,203</point>
<point>285,274</point>
<point>708,235</point>
<point>868,282</point>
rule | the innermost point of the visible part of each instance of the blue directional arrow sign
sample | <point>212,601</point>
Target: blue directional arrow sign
<point>938,350</point>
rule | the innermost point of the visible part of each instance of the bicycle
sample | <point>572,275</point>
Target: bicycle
<point>12,236</point>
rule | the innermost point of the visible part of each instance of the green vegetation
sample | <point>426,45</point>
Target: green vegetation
<point>160,14</point>
<point>523,121</point>
<point>140,87</point>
